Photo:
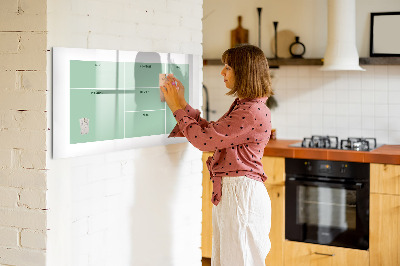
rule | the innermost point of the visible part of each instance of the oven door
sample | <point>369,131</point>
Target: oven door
<point>327,213</point>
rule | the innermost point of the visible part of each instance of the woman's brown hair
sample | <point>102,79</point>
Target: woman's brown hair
<point>250,66</point>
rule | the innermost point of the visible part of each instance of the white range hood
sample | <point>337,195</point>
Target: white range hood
<point>341,51</point>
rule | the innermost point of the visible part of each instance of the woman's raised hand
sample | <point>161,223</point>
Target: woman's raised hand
<point>181,92</point>
<point>174,92</point>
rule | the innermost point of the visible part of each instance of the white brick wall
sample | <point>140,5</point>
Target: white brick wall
<point>11,256</point>
<point>134,207</point>
<point>33,239</point>
<point>23,178</point>
<point>9,197</point>
<point>23,128</point>
<point>9,237</point>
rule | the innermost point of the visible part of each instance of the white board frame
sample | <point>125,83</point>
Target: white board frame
<point>61,100</point>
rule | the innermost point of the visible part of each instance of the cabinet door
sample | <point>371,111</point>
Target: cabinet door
<point>384,229</point>
<point>274,168</point>
<point>206,226</point>
<point>385,178</point>
<point>277,233</point>
<point>304,254</point>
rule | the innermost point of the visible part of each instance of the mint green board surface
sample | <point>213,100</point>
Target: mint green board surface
<point>117,100</point>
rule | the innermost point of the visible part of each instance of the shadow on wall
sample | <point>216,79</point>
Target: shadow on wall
<point>155,200</point>
<point>156,209</point>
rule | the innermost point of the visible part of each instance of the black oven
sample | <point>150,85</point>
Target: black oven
<point>327,202</point>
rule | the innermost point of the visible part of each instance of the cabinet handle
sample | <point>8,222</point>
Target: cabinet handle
<point>324,254</point>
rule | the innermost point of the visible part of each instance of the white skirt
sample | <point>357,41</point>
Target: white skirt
<point>241,223</point>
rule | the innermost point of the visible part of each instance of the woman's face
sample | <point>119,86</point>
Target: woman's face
<point>229,76</point>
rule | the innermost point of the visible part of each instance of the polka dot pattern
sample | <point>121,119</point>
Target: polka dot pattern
<point>238,139</point>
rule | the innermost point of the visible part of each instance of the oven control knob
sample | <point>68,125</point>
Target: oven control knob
<point>343,168</point>
<point>308,166</point>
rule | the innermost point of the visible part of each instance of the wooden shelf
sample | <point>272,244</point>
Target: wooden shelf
<point>212,62</point>
<point>380,61</point>
<point>273,63</point>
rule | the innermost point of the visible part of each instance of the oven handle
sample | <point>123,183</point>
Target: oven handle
<point>324,254</point>
<point>357,185</point>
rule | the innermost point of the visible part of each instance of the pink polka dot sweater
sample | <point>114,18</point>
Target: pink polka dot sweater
<point>238,139</point>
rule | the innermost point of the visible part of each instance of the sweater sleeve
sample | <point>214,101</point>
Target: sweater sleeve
<point>193,113</point>
<point>235,129</point>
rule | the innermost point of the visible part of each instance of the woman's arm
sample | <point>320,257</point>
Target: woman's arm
<point>174,93</point>
<point>239,127</point>
<point>194,113</point>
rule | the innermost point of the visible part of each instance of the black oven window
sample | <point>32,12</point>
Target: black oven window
<point>326,207</point>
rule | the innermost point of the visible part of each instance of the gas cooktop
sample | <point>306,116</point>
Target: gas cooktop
<point>332,142</point>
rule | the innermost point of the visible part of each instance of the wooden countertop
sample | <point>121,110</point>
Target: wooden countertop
<point>389,154</point>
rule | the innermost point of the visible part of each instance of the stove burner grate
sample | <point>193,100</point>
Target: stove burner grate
<point>327,142</point>
<point>332,142</point>
<point>358,144</point>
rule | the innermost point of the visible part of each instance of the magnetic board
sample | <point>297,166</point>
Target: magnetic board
<point>108,100</point>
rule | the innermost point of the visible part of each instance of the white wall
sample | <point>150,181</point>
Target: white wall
<point>134,207</point>
<point>304,18</point>
<point>311,102</point>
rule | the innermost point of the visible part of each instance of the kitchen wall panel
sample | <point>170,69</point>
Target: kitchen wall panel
<point>310,101</point>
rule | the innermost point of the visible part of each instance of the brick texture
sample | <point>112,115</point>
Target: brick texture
<point>23,100</point>
<point>8,80</point>
<point>8,197</point>
<point>24,119</point>
<point>33,239</point>
<point>23,178</point>
<point>23,218</point>
<point>33,199</point>
<point>9,237</point>
<point>23,139</point>
<point>17,256</point>
<point>31,80</point>
<point>23,126</point>
<point>23,16</point>
<point>107,195</point>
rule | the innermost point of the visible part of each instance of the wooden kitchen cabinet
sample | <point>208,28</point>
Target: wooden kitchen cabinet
<point>277,233</point>
<point>384,237</point>
<point>305,254</point>
<point>206,225</point>
<point>274,168</point>
<point>385,178</point>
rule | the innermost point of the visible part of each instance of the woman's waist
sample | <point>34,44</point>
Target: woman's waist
<point>259,176</point>
<point>238,179</point>
<point>230,169</point>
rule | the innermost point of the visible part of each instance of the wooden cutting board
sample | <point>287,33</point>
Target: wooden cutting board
<point>239,35</point>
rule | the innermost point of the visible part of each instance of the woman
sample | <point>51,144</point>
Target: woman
<point>242,208</point>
